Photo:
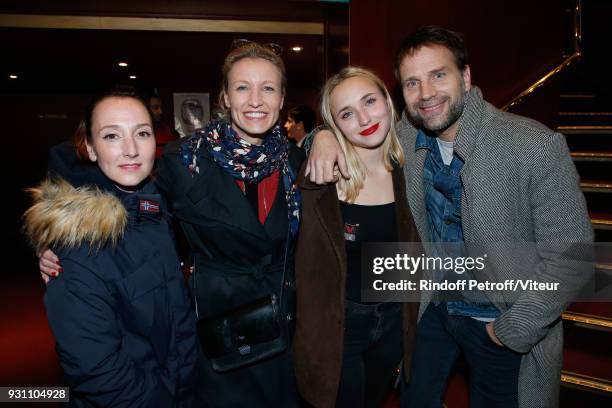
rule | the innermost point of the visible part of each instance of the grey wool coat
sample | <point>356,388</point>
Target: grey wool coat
<point>519,187</point>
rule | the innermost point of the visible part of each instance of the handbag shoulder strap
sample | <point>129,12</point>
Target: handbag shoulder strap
<point>282,282</point>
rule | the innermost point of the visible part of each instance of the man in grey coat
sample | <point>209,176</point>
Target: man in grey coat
<point>476,175</point>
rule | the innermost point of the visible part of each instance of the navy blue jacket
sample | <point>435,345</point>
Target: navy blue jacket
<point>120,313</point>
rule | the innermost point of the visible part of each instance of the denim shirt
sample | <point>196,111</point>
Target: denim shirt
<point>442,184</point>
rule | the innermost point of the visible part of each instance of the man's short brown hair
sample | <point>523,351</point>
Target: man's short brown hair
<point>432,35</point>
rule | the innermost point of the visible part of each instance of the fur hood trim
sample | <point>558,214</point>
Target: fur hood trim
<point>63,216</point>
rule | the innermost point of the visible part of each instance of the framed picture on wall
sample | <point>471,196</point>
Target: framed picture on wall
<point>191,112</point>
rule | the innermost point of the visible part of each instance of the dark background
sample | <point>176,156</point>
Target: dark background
<point>511,42</point>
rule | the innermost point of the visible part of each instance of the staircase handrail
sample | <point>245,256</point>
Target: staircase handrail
<point>569,60</point>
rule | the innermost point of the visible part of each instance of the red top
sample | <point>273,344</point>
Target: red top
<point>266,193</point>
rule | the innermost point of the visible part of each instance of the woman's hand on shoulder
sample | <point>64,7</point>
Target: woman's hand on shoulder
<point>49,265</point>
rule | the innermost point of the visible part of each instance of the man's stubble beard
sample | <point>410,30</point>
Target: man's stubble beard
<point>454,113</point>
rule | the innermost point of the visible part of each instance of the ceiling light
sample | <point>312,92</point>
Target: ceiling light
<point>123,64</point>
<point>13,76</point>
<point>297,48</point>
<point>132,76</point>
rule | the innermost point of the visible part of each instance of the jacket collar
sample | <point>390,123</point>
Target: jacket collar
<point>146,205</point>
<point>469,124</point>
<point>467,130</point>
<point>465,142</point>
<point>424,141</point>
<point>216,195</point>
<point>404,219</point>
<point>327,209</point>
<point>413,175</point>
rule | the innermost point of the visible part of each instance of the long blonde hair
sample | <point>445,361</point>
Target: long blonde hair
<point>392,150</point>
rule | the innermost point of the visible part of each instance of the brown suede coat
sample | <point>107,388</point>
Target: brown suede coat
<point>320,268</point>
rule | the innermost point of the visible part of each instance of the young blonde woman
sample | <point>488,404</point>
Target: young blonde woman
<point>346,351</point>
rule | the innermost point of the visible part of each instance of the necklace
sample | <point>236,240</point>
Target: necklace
<point>265,201</point>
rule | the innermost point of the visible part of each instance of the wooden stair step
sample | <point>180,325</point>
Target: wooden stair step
<point>596,186</point>
<point>592,156</point>
<point>601,220</point>
<point>568,130</point>
<point>584,118</point>
<point>586,346</point>
<point>604,268</point>
<point>589,310</point>
<point>580,141</point>
<point>585,382</point>
<point>589,321</point>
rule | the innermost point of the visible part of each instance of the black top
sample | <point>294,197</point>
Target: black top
<point>252,194</point>
<point>364,223</point>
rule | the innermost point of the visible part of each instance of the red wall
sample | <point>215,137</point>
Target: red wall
<point>511,43</point>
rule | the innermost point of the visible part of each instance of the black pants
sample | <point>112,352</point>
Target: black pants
<point>372,353</point>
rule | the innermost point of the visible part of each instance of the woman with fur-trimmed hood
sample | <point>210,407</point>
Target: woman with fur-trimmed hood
<point>120,312</point>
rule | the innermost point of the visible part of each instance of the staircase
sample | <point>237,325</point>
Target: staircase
<point>585,118</point>
<point>586,121</point>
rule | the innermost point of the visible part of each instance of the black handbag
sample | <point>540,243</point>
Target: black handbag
<point>252,332</point>
<point>247,334</point>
